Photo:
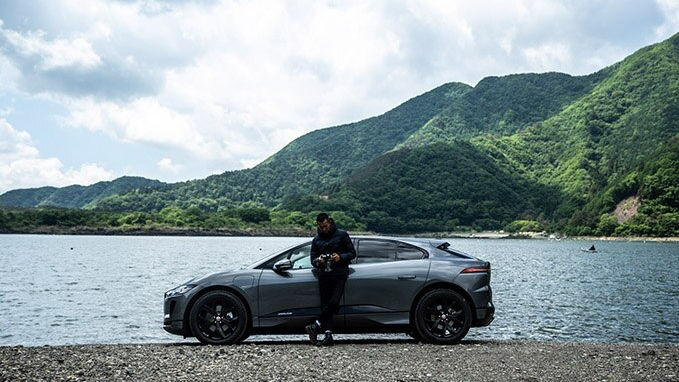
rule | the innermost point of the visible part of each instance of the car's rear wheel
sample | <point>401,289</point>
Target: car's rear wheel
<point>219,318</point>
<point>442,316</point>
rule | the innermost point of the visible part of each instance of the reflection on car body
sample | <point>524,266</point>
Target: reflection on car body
<point>409,285</point>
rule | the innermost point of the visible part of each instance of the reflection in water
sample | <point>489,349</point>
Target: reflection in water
<point>110,289</point>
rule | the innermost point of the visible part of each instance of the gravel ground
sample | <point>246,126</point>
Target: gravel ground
<point>346,361</point>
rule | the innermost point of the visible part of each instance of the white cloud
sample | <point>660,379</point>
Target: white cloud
<point>21,165</point>
<point>57,53</point>
<point>9,74</point>
<point>548,56</point>
<point>166,164</point>
<point>142,120</point>
<point>6,111</point>
<point>14,145</point>
<point>670,10</point>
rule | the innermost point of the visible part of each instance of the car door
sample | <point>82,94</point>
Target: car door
<point>383,283</point>
<point>289,300</point>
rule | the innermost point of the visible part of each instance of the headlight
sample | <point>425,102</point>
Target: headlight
<point>179,290</point>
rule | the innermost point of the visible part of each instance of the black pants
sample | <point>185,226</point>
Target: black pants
<point>332,289</point>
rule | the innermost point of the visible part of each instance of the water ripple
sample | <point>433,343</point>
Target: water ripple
<point>110,290</point>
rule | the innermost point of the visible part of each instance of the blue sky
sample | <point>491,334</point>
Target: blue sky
<point>92,90</point>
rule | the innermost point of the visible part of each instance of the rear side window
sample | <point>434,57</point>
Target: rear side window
<point>376,251</point>
<point>453,253</point>
<point>409,252</point>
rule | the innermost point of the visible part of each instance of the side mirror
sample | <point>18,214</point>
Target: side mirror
<point>282,265</point>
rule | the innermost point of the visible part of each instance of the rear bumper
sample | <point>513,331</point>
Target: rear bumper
<point>478,286</point>
<point>484,316</point>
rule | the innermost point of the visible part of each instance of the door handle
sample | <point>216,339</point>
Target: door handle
<point>406,277</point>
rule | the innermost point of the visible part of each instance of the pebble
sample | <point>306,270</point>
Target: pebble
<point>346,361</point>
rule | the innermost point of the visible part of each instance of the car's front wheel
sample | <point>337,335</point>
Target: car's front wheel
<point>219,318</point>
<point>442,316</point>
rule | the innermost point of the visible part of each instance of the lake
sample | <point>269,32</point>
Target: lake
<point>109,289</point>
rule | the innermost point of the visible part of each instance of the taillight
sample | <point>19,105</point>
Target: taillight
<point>476,270</point>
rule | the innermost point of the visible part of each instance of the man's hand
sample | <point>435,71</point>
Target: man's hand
<point>335,257</point>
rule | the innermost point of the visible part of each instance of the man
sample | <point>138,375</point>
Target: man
<point>331,252</point>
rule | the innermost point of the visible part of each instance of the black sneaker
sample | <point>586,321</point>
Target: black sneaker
<point>327,340</point>
<point>313,330</point>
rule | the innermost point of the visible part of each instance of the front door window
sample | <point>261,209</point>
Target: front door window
<point>301,257</point>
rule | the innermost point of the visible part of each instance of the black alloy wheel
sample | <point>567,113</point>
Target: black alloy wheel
<point>442,316</point>
<point>219,318</point>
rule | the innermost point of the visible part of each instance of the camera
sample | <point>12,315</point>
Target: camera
<point>326,261</point>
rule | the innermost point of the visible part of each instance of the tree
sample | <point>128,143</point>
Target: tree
<point>607,225</point>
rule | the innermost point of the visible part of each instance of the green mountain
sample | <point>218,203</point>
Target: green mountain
<point>505,105</point>
<point>306,165</point>
<point>75,196</point>
<point>600,138</point>
<point>595,154</point>
<point>316,161</point>
<point>565,164</point>
<point>437,187</point>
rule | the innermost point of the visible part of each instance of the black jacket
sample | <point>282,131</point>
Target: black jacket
<point>335,241</point>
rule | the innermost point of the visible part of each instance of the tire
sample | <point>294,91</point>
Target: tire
<point>442,316</point>
<point>219,318</point>
<point>414,335</point>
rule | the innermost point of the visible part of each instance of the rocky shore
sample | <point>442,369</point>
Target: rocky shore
<point>346,361</point>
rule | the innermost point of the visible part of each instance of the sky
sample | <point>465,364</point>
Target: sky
<point>92,90</point>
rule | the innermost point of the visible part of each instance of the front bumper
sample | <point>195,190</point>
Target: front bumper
<point>173,318</point>
<point>174,327</point>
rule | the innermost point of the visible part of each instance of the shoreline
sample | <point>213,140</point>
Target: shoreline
<point>290,232</point>
<point>136,231</point>
<point>348,360</point>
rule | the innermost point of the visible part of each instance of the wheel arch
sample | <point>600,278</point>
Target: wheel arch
<point>441,285</point>
<point>235,291</point>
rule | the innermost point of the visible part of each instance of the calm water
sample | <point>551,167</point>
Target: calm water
<point>103,289</point>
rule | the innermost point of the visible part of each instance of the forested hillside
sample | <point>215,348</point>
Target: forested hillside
<point>306,165</point>
<point>438,187</point>
<point>567,172</point>
<point>599,139</point>
<point>505,105</point>
<point>595,154</point>
<point>74,196</point>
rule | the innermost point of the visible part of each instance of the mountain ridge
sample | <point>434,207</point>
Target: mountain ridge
<point>549,147</point>
<point>74,196</point>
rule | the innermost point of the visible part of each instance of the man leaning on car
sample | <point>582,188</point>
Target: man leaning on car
<point>331,252</point>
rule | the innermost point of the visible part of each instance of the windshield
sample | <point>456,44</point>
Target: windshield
<point>264,259</point>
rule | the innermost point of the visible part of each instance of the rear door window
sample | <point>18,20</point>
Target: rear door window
<point>376,251</point>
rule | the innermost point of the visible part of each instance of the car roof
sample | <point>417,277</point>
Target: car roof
<point>412,240</point>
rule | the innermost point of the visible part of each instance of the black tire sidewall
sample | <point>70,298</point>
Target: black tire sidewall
<point>243,319</point>
<point>419,321</point>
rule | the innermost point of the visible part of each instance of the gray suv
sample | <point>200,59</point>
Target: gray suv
<point>408,285</point>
